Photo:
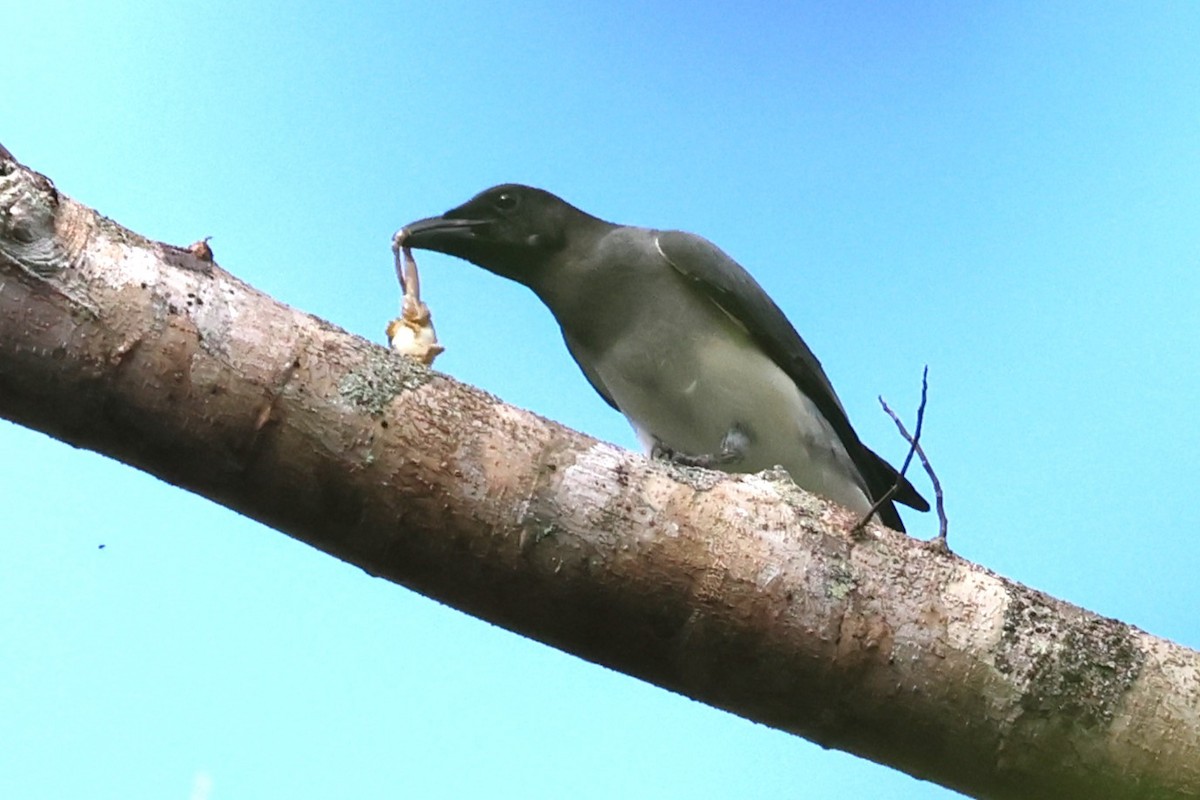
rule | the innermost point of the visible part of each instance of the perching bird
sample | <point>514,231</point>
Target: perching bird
<point>678,337</point>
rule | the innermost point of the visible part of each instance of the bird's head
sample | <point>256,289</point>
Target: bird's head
<point>511,230</point>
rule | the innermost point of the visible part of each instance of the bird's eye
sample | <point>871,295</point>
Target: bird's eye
<point>505,201</point>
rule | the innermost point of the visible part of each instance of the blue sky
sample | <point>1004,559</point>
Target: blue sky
<point>1008,193</point>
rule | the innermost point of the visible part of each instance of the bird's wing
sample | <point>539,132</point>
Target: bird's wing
<point>591,376</point>
<point>727,284</point>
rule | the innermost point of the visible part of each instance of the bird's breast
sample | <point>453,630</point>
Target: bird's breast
<point>688,374</point>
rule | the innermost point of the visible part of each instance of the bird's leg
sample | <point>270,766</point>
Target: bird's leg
<point>660,451</point>
<point>733,450</point>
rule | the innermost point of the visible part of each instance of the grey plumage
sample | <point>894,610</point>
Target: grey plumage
<point>677,336</point>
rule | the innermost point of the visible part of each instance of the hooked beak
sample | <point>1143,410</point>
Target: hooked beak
<point>440,234</point>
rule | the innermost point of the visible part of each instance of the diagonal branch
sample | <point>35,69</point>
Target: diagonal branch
<point>744,593</point>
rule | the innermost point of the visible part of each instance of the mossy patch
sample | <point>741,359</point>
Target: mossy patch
<point>1075,665</point>
<point>379,378</point>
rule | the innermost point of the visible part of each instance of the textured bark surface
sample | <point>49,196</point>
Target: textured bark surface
<point>746,593</point>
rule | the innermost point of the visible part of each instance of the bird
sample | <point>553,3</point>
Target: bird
<point>678,337</point>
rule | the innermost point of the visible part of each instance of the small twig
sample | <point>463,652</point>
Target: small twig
<point>912,448</point>
<point>939,543</point>
<point>202,250</point>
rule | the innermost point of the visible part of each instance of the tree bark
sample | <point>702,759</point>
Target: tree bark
<point>745,593</point>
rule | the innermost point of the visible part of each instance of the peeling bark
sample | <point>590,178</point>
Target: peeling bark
<point>743,592</point>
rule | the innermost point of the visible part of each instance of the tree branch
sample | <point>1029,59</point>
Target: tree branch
<point>744,593</point>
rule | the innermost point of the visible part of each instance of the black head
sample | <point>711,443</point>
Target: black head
<point>511,230</point>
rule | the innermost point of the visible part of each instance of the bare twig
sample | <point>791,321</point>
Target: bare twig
<point>202,250</point>
<point>939,543</point>
<point>912,448</point>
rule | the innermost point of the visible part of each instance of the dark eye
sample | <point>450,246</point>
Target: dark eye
<point>505,201</point>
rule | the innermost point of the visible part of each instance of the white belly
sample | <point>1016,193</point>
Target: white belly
<point>690,394</point>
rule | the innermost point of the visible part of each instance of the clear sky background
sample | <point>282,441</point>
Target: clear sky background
<point>1008,193</point>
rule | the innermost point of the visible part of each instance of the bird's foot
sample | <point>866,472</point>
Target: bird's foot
<point>733,450</point>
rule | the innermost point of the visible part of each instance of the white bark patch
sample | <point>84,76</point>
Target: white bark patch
<point>138,265</point>
<point>976,605</point>
<point>593,476</point>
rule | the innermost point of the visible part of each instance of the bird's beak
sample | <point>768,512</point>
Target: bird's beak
<point>441,234</point>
